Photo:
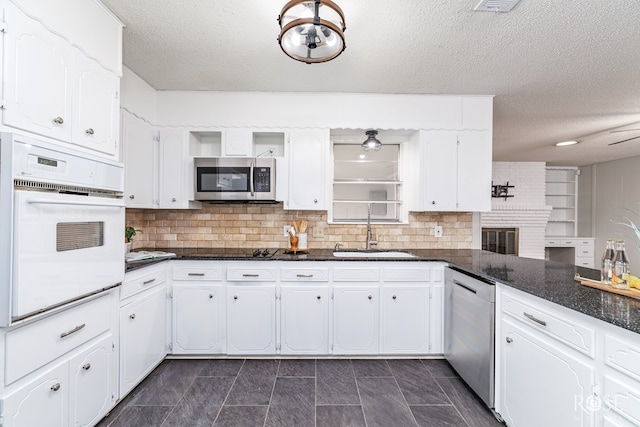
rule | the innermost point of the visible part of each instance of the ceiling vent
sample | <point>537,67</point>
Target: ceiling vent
<point>495,5</point>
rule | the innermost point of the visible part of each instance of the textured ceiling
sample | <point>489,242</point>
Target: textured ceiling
<point>559,69</point>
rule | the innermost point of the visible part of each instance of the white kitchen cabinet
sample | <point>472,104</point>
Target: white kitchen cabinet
<point>42,402</point>
<point>561,193</point>
<point>198,318</point>
<point>304,319</point>
<point>456,171</point>
<point>37,77</point>
<point>308,152</point>
<point>436,318</point>
<point>251,319</point>
<point>140,162</point>
<point>92,386</point>
<point>356,319</point>
<point>405,319</point>
<point>534,369</point>
<point>95,106</point>
<point>143,335</point>
<point>175,171</point>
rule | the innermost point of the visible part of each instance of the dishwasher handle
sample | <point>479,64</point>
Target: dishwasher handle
<point>469,288</point>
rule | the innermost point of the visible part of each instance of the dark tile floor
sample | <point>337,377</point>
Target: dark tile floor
<point>301,392</point>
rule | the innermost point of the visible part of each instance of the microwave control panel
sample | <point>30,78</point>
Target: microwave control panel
<point>262,180</point>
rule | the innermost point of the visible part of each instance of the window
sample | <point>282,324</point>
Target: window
<point>366,179</point>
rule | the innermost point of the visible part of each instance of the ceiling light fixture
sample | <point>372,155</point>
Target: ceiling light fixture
<point>566,143</point>
<point>372,143</point>
<point>312,31</point>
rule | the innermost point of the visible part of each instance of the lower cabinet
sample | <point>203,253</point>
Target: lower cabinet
<point>304,320</point>
<point>356,314</point>
<point>198,319</point>
<point>543,383</point>
<point>251,319</point>
<point>143,336</point>
<point>405,319</point>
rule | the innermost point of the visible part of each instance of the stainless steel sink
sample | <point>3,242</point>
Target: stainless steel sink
<point>373,254</point>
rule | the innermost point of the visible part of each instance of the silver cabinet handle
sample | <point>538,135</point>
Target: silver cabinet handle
<point>146,282</point>
<point>132,316</point>
<point>250,275</point>
<point>531,317</point>
<point>394,297</point>
<point>132,197</point>
<point>319,297</point>
<point>304,275</point>
<point>315,200</point>
<point>509,340</point>
<point>196,274</point>
<point>89,131</point>
<point>433,202</point>
<point>173,199</point>
<point>70,203</point>
<point>58,120</point>
<point>235,297</point>
<point>370,297</point>
<point>210,296</point>
<point>55,387</point>
<point>73,331</point>
<point>86,367</point>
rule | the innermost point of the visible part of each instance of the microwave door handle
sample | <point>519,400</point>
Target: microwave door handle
<point>56,202</point>
<point>251,179</point>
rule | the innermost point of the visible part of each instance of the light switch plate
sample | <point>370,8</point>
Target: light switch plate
<point>286,229</point>
<point>437,231</point>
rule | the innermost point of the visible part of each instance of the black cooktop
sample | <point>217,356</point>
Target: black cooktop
<point>242,253</point>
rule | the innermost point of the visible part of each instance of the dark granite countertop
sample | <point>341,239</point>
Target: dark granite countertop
<point>545,279</point>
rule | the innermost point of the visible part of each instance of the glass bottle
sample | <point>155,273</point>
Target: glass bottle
<point>607,262</point>
<point>620,272</point>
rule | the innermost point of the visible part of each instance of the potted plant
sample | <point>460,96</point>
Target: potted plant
<point>129,233</point>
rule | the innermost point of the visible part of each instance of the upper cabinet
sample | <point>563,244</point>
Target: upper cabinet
<point>52,88</point>
<point>308,152</point>
<point>140,162</point>
<point>561,194</point>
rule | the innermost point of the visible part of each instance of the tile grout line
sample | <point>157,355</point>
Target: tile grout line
<point>358,390</point>
<point>228,392</point>
<point>402,393</point>
<point>275,379</point>
<point>181,398</point>
<point>445,393</point>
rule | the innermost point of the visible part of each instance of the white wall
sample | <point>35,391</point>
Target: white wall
<point>616,186</point>
<point>528,178</point>
<point>137,97</point>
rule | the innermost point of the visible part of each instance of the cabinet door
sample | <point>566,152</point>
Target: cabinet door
<point>356,313</point>
<point>139,162</point>
<point>439,163</point>
<point>171,182</point>
<point>142,337</point>
<point>542,383</point>
<point>405,320</point>
<point>95,106</point>
<point>308,152</point>
<point>436,319</point>
<point>198,319</point>
<point>474,171</point>
<point>91,395</point>
<point>251,319</point>
<point>305,320</point>
<point>42,402</point>
<point>37,78</point>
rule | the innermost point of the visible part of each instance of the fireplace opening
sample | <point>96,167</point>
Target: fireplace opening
<point>500,240</point>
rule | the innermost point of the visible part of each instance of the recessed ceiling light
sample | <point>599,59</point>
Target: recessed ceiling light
<point>565,143</point>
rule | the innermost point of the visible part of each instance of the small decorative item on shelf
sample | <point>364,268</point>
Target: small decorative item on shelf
<point>129,233</point>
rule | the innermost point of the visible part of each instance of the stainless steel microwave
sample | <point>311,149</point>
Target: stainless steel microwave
<point>219,179</point>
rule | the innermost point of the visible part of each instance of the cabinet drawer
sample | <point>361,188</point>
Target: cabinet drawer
<point>622,356</point>
<point>31,346</point>
<point>140,282</point>
<point>584,262</point>
<point>197,273</point>
<point>564,330</point>
<point>251,274</point>
<point>406,274</point>
<point>584,251</point>
<point>304,274</point>
<point>621,395</point>
<point>585,242</point>
<point>559,242</point>
<point>342,274</point>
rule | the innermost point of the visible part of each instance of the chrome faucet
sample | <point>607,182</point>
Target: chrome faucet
<point>370,241</point>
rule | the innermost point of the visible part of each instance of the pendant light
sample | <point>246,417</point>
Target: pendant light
<point>311,31</point>
<point>371,143</point>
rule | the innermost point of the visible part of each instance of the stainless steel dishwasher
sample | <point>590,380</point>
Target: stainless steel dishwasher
<point>469,324</point>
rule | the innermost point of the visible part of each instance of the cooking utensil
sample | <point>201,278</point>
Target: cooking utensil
<point>303,226</point>
<point>296,226</point>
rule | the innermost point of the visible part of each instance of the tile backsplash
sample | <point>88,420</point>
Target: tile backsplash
<point>261,226</point>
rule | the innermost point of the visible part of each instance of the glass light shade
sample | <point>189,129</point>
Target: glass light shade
<point>307,37</point>
<point>371,143</point>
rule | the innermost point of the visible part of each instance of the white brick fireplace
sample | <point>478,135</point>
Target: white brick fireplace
<point>526,210</point>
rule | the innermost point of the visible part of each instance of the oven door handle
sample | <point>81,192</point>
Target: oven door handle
<point>57,202</point>
<point>251,180</point>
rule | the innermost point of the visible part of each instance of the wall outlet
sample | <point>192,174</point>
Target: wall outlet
<point>318,232</point>
<point>286,229</point>
<point>437,231</point>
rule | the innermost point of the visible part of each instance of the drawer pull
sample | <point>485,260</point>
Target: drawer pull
<point>58,120</point>
<point>146,282</point>
<point>89,131</point>
<point>531,317</point>
<point>196,274</point>
<point>55,387</point>
<point>73,331</point>
<point>132,316</point>
<point>86,367</point>
<point>250,275</point>
<point>306,276</point>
